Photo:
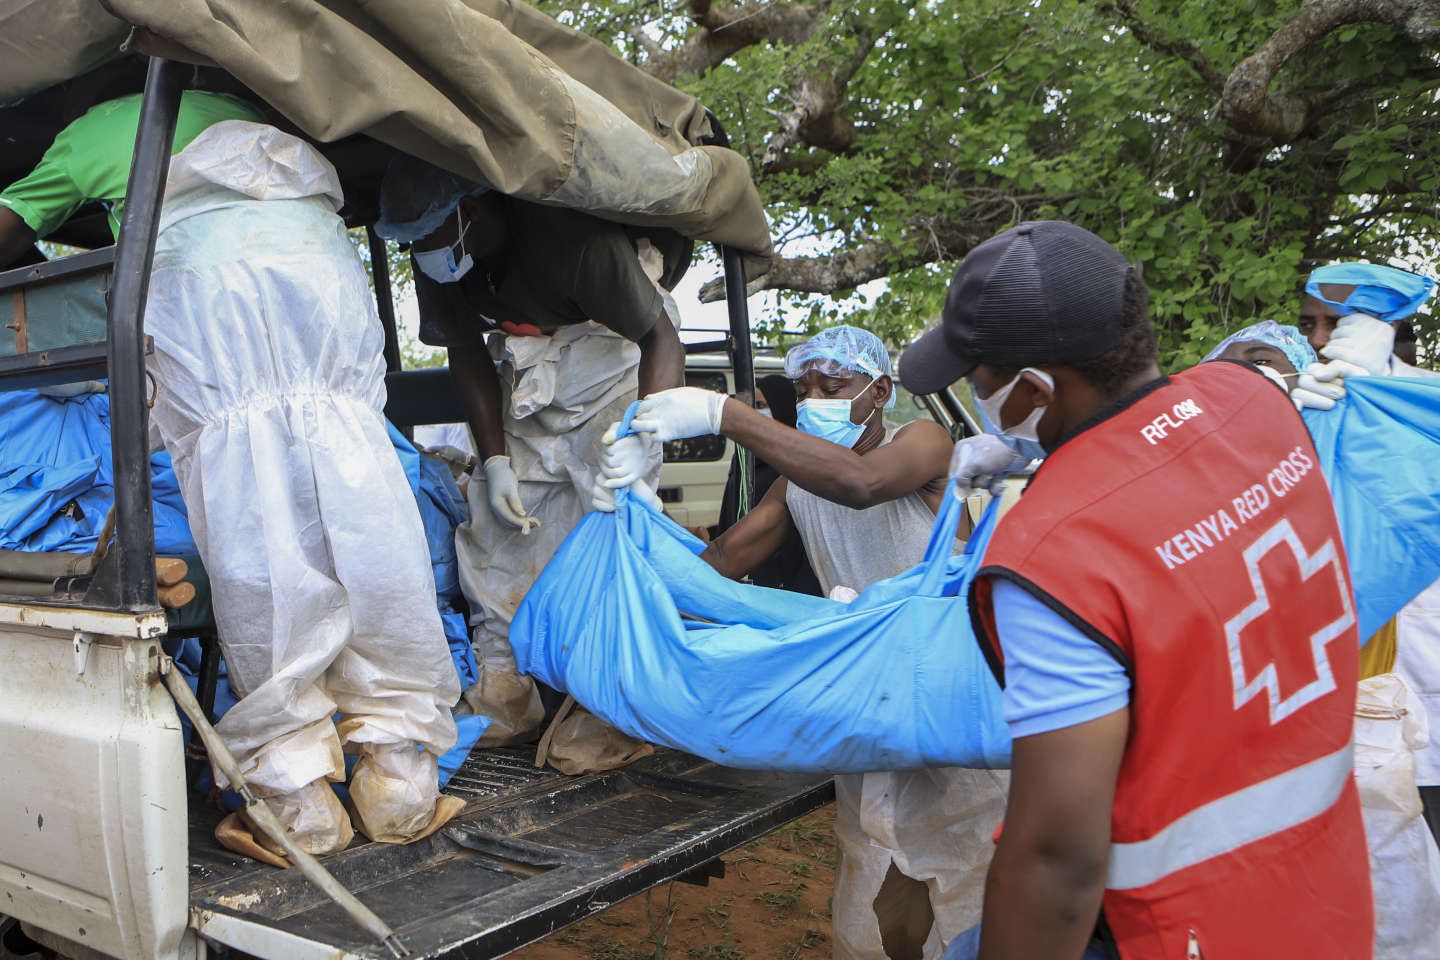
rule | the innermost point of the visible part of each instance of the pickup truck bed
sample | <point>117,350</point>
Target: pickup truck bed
<point>533,851</point>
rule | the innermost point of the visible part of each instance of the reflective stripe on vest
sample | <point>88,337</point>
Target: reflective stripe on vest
<point>1221,826</point>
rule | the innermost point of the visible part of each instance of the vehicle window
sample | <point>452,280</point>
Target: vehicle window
<point>699,449</point>
<point>906,408</point>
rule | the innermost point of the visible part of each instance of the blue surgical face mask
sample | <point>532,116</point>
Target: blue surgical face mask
<point>765,412</point>
<point>830,419</point>
<point>1022,438</point>
<point>440,265</point>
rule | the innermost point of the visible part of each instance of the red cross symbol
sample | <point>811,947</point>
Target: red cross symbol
<point>1323,570</point>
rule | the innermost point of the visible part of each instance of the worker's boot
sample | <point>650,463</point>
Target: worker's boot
<point>313,817</point>
<point>394,789</point>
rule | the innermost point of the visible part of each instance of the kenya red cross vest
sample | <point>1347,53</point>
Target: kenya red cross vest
<point>1191,534</point>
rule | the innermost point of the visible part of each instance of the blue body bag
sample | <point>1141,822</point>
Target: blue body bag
<point>630,621</point>
<point>57,482</point>
<point>1380,452</point>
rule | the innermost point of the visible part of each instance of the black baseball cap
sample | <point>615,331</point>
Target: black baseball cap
<point>1043,292</point>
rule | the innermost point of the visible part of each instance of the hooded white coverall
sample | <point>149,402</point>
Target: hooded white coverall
<point>560,393</point>
<point>270,388</point>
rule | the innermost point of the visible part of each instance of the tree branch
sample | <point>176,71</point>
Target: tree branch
<point>929,240</point>
<point>1151,37</point>
<point>815,118</point>
<point>724,31</point>
<point>1247,103</point>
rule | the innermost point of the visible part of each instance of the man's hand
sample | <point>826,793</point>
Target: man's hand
<point>624,461</point>
<point>679,414</point>
<point>1362,342</point>
<point>980,462</point>
<point>1313,394</point>
<point>504,492</point>
<point>602,498</point>
<point>16,237</point>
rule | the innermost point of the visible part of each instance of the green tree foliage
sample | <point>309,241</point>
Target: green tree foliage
<point>1228,146</point>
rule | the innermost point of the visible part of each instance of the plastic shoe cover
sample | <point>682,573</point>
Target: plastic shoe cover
<point>394,789</point>
<point>505,695</point>
<point>579,742</point>
<point>313,817</point>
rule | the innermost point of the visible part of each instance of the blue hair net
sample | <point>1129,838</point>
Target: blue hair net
<point>1288,340</point>
<point>416,197</point>
<point>1383,292</point>
<point>839,352</point>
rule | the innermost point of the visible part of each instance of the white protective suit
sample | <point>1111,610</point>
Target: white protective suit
<point>560,393</point>
<point>936,826</point>
<point>269,399</point>
<point>1417,639</point>
<point>1417,660</point>
<point>1390,728</point>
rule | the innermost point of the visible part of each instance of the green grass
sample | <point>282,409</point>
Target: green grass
<point>716,951</point>
<point>717,914</point>
<point>784,900</point>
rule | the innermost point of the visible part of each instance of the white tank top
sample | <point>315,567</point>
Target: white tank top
<point>855,548</point>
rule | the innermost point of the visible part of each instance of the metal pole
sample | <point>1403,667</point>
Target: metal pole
<point>384,298</point>
<point>129,433</point>
<point>742,362</point>
<point>269,824</point>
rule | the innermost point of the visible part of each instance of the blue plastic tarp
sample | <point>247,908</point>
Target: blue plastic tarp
<point>1380,452</point>
<point>629,620</point>
<point>56,479</point>
<point>442,509</point>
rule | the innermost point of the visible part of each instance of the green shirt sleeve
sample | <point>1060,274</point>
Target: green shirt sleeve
<point>47,196</point>
<point>90,159</point>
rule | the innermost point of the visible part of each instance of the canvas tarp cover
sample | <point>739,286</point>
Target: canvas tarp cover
<point>490,89</point>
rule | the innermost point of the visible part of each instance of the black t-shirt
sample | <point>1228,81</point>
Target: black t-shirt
<point>559,267</point>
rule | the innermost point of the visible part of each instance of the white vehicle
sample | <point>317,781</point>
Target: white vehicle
<point>692,481</point>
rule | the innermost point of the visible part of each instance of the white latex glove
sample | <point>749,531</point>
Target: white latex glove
<point>679,414</point>
<point>1363,341</point>
<point>1334,372</point>
<point>1315,395</point>
<point>843,594</point>
<point>980,461</point>
<point>504,492</point>
<point>624,461</point>
<point>602,498</point>
<point>1322,384</point>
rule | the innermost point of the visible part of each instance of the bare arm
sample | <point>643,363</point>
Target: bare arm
<point>15,236</point>
<point>917,457</point>
<point>1042,896</point>
<point>662,357</point>
<point>755,537</point>
<point>479,388</point>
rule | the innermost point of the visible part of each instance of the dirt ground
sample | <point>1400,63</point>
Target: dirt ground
<point>773,904</point>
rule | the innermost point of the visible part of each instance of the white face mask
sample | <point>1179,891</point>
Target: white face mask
<point>1275,376</point>
<point>440,265</point>
<point>1023,438</point>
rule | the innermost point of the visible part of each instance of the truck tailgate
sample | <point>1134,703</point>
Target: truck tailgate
<point>533,851</point>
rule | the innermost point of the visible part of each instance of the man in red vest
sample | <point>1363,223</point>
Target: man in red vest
<point>1170,612</point>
